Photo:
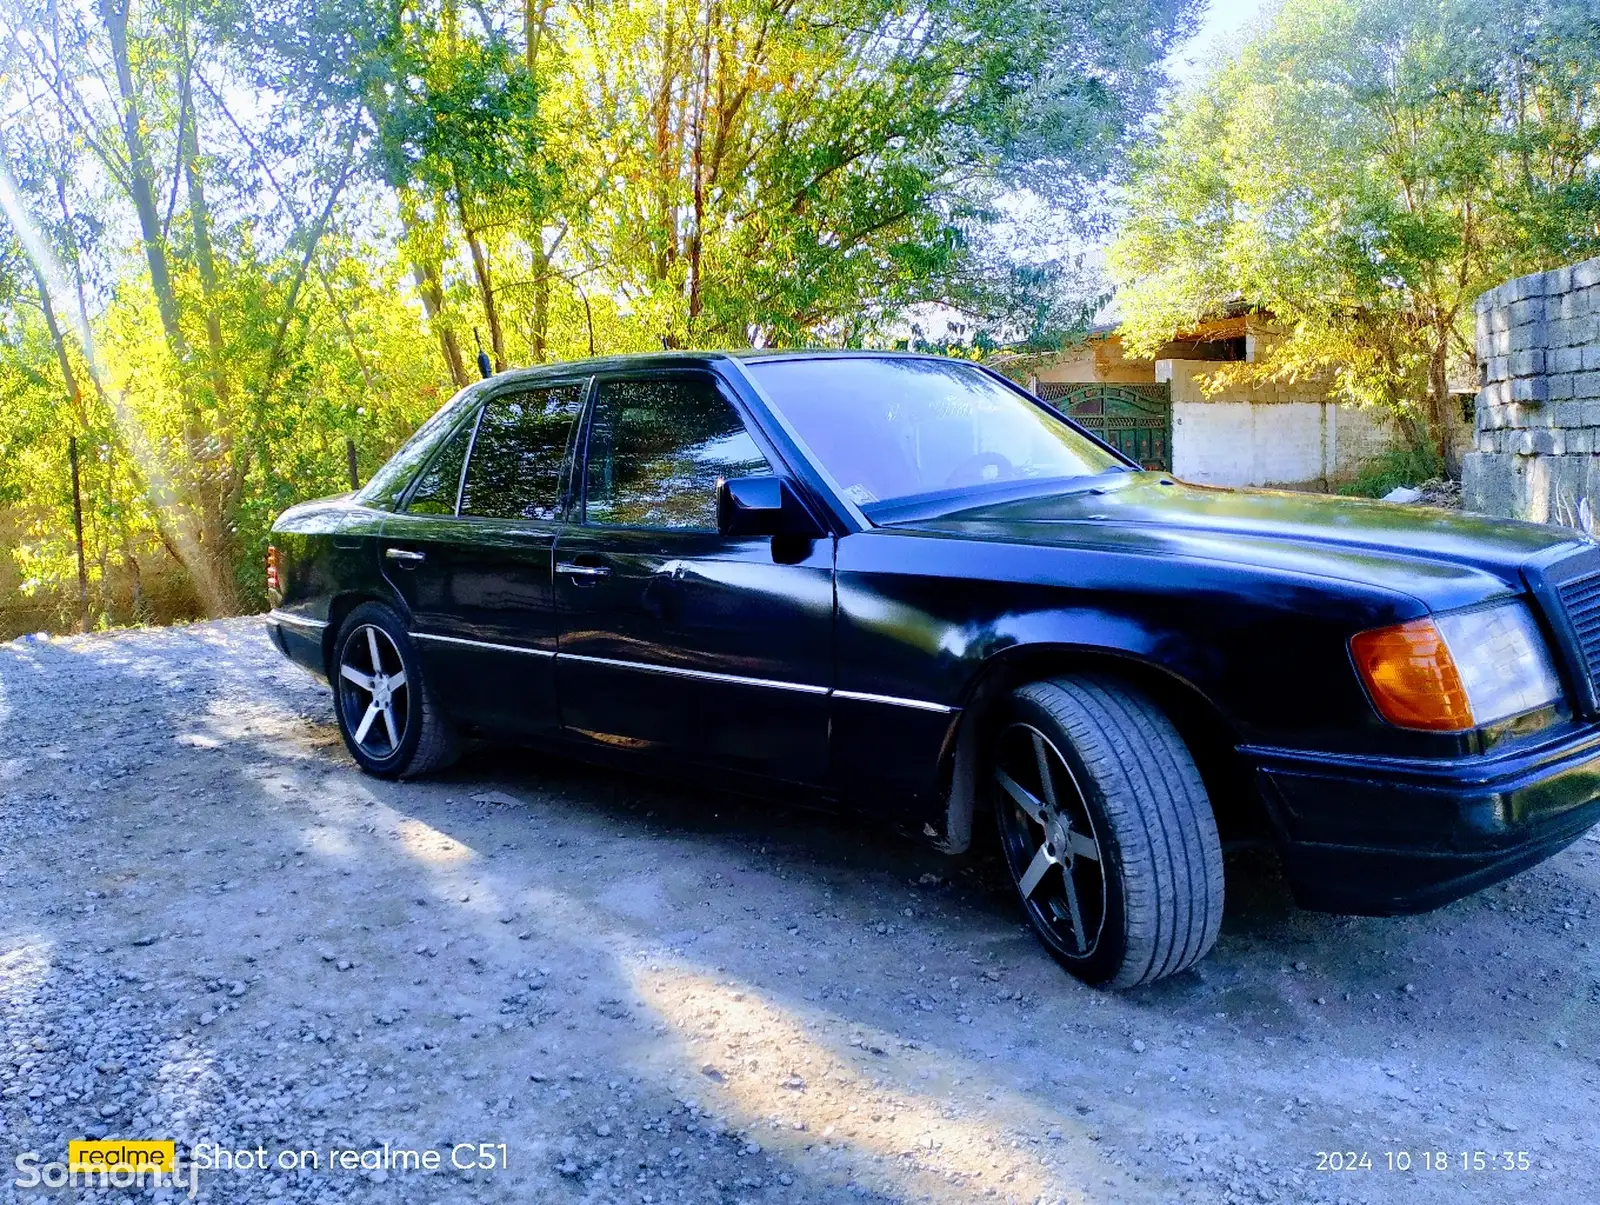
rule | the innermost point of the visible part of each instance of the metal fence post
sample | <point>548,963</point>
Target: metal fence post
<point>77,526</point>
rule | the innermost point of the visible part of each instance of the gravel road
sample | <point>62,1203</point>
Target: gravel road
<point>214,929</point>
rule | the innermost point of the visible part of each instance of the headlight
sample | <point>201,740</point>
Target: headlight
<point>1457,671</point>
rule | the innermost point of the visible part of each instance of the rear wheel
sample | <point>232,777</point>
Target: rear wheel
<point>387,716</point>
<point>1107,831</point>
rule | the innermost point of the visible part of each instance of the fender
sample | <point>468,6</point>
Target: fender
<point>948,622</point>
<point>1196,715</point>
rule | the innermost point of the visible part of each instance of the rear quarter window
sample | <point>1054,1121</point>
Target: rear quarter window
<point>389,482</point>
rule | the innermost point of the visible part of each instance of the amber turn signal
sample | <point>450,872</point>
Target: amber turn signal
<point>1412,678</point>
<point>272,567</point>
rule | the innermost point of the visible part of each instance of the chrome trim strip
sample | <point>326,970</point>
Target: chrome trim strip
<point>483,644</point>
<point>860,696</point>
<point>472,443</point>
<point>804,688</point>
<point>296,621</point>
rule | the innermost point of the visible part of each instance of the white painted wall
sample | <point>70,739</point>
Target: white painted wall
<point>1273,443</point>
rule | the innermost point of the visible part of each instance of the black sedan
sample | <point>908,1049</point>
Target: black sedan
<point>902,586</point>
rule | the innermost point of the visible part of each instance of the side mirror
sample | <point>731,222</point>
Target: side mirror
<point>762,506</point>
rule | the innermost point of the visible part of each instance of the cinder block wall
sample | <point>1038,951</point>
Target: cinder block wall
<point>1537,449</point>
<point>1313,444</point>
<point>1269,433</point>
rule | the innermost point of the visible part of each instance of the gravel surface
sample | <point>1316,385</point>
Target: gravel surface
<point>214,929</point>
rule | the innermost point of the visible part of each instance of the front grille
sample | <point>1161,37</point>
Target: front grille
<point>1580,599</point>
<point>1568,591</point>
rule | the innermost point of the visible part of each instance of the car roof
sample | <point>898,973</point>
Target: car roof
<point>633,361</point>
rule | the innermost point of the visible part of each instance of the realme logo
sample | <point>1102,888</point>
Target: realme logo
<point>122,1155</point>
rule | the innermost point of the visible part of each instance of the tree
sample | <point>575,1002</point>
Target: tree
<point>1364,169</point>
<point>788,173</point>
<point>723,171</point>
<point>267,227</point>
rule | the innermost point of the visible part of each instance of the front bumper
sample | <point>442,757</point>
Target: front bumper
<point>1385,836</point>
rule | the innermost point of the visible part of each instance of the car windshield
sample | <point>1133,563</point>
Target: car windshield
<point>888,428</point>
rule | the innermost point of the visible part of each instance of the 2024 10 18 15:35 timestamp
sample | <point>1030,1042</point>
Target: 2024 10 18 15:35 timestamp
<point>1427,1160</point>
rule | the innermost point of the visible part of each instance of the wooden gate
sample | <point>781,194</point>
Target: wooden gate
<point>1134,419</point>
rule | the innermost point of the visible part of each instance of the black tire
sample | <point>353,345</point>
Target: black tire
<point>415,737</point>
<point>1106,828</point>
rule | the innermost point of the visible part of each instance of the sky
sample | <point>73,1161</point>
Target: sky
<point>1220,29</point>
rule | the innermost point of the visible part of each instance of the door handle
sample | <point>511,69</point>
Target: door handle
<point>405,556</point>
<point>571,569</point>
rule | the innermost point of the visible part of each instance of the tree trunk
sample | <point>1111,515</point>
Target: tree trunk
<point>356,351</point>
<point>541,301</point>
<point>59,342</point>
<point>431,290</point>
<point>139,610</point>
<point>223,469</point>
<point>480,268</point>
<point>205,261</point>
<point>1439,405</point>
<point>211,574</point>
<point>697,167</point>
<point>666,164</point>
<point>534,15</point>
<point>426,275</point>
<point>140,174</point>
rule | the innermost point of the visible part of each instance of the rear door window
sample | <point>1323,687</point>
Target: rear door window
<point>519,453</point>
<point>389,483</point>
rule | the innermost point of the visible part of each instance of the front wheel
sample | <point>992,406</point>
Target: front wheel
<point>387,715</point>
<point>1107,830</point>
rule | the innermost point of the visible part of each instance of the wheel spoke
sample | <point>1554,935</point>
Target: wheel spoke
<point>1023,799</point>
<point>1046,781</point>
<point>1084,846</point>
<point>1071,917</point>
<point>366,722</point>
<point>372,647</point>
<point>1075,913</point>
<point>351,673</point>
<point>396,681</point>
<point>1029,882</point>
<point>388,722</point>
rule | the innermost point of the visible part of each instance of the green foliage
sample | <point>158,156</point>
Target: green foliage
<point>469,116</point>
<point>246,231</point>
<point>1396,467</point>
<point>1363,170</point>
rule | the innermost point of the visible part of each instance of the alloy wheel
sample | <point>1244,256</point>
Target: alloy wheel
<point>1050,840</point>
<point>373,692</point>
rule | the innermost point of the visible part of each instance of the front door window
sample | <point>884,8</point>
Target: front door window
<point>656,449</point>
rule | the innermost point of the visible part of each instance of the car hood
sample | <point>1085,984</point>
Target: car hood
<point>1447,558</point>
